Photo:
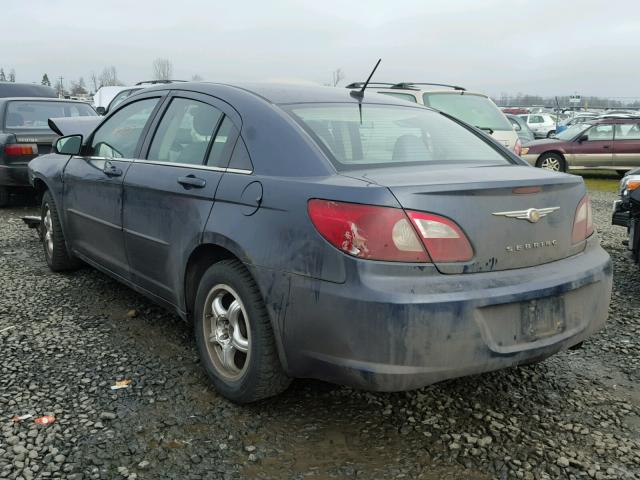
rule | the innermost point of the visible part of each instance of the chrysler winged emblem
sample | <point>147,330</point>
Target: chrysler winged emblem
<point>531,214</point>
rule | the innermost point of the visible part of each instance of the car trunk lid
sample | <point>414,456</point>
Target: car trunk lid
<point>491,204</point>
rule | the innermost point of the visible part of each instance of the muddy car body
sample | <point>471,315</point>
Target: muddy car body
<point>313,233</point>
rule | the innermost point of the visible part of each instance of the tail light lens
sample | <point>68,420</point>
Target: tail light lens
<point>443,238</point>
<point>20,149</point>
<point>385,233</point>
<point>517,149</point>
<point>583,222</point>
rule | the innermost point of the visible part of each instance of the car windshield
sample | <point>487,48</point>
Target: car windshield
<point>476,110</point>
<point>34,115</point>
<point>390,135</point>
<point>572,132</point>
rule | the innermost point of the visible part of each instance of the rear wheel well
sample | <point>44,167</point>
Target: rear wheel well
<point>200,260</point>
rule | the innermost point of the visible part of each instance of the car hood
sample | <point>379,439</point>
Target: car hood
<point>74,125</point>
<point>544,143</point>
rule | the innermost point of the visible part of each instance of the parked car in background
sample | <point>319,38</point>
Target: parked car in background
<point>476,109</point>
<point>525,134</point>
<point>607,143</point>
<point>25,133</point>
<point>308,232</point>
<point>626,211</point>
<point>127,92</point>
<point>543,125</point>
<point>579,118</point>
<point>12,89</point>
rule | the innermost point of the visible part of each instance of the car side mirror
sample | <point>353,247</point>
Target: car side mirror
<point>69,145</point>
<point>517,127</point>
<point>583,138</point>
<point>101,110</point>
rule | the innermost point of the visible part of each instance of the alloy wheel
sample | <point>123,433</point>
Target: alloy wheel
<point>226,331</point>
<point>550,163</point>
<point>48,231</point>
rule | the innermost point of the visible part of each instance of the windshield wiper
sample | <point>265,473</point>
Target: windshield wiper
<point>486,129</point>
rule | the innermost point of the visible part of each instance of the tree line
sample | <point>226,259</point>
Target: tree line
<point>525,100</point>
<point>161,69</point>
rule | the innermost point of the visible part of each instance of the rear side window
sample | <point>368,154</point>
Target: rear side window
<point>240,159</point>
<point>402,96</point>
<point>390,135</point>
<point>34,115</point>
<point>475,110</point>
<point>223,144</point>
<point>118,136</point>
<point>185,132</point>
<point>628,131</point>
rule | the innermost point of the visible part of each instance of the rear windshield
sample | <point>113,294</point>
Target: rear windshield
<point>390,135</point>
<point>475,110</point>
<point>33,115</point>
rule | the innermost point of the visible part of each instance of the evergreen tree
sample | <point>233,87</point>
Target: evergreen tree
<point>45,80</point>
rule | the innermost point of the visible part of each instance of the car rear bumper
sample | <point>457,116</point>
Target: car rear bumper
<point>14,175</point>
<point>395,331</point>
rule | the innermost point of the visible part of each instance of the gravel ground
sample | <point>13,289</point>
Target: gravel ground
<point>66,339</point>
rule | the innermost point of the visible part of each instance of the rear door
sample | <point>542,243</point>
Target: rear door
<point>93,185</point>
<point>168,195</point>
<point>626,145</point>
<point>597,150</point>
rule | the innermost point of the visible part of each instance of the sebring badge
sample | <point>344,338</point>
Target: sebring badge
<point>532,214</point>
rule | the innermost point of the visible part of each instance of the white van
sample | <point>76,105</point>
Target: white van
<point>476,109</point>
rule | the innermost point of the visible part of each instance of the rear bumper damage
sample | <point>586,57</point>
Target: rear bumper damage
<point>410,328</point>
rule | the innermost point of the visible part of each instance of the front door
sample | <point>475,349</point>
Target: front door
<point>596,150</point>
<point>169,194</point>
<point>93,186</point>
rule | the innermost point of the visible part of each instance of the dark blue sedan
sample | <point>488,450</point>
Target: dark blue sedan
<point>309,232</point>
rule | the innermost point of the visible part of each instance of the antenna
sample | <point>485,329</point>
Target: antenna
<point>360,93</point>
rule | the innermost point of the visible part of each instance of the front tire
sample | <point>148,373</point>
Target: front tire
<point>552,161</point>
<point>234,335</point>
<point>55,247</point>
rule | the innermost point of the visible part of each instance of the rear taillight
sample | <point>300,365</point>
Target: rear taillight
<point>20,149</point>
<point>385,233</point>
<point>367,231</point>
<point>443,238</point>
<point>517,149</point>
<point>583,222</point>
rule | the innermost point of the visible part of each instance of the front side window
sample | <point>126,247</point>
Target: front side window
<point>185,132</point>
<point>475,110</point>
<point>35,115</point>
<point>600,133</point>
<point>391,135</point>
<point>119,135</point>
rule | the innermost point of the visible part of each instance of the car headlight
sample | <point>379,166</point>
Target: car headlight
<point>524,150</point>
<point>629,184</point>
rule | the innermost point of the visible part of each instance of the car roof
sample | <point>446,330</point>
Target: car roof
<point>11,89</point>
<point>285,93</point>
<point>42,99</point>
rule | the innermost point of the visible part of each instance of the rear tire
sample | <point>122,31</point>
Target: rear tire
<point>4,197</point>
<point>234,335</point>
<point>55,247</point>
<point>552,161</point>
<point>551,133</point>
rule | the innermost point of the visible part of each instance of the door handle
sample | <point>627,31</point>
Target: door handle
<point>111,170</point>
<point>191,181</point>
<point>605,146</point>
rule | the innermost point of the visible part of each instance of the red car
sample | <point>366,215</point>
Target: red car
<point>607,143</point>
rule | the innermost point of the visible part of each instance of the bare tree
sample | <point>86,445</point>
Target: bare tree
<point>162,69</point>
<point>60,88</point>
<point>94,82</point>
<point>79,87</point>
<point>336,76</point>
<point>196,78</point>
<point>109,77</point>
<point>12,75</point>
<point>3,77</point>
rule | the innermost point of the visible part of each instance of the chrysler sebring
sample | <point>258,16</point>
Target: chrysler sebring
<point>316,232</point>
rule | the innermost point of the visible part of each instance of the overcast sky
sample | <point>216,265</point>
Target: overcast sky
<point>539,47</point>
